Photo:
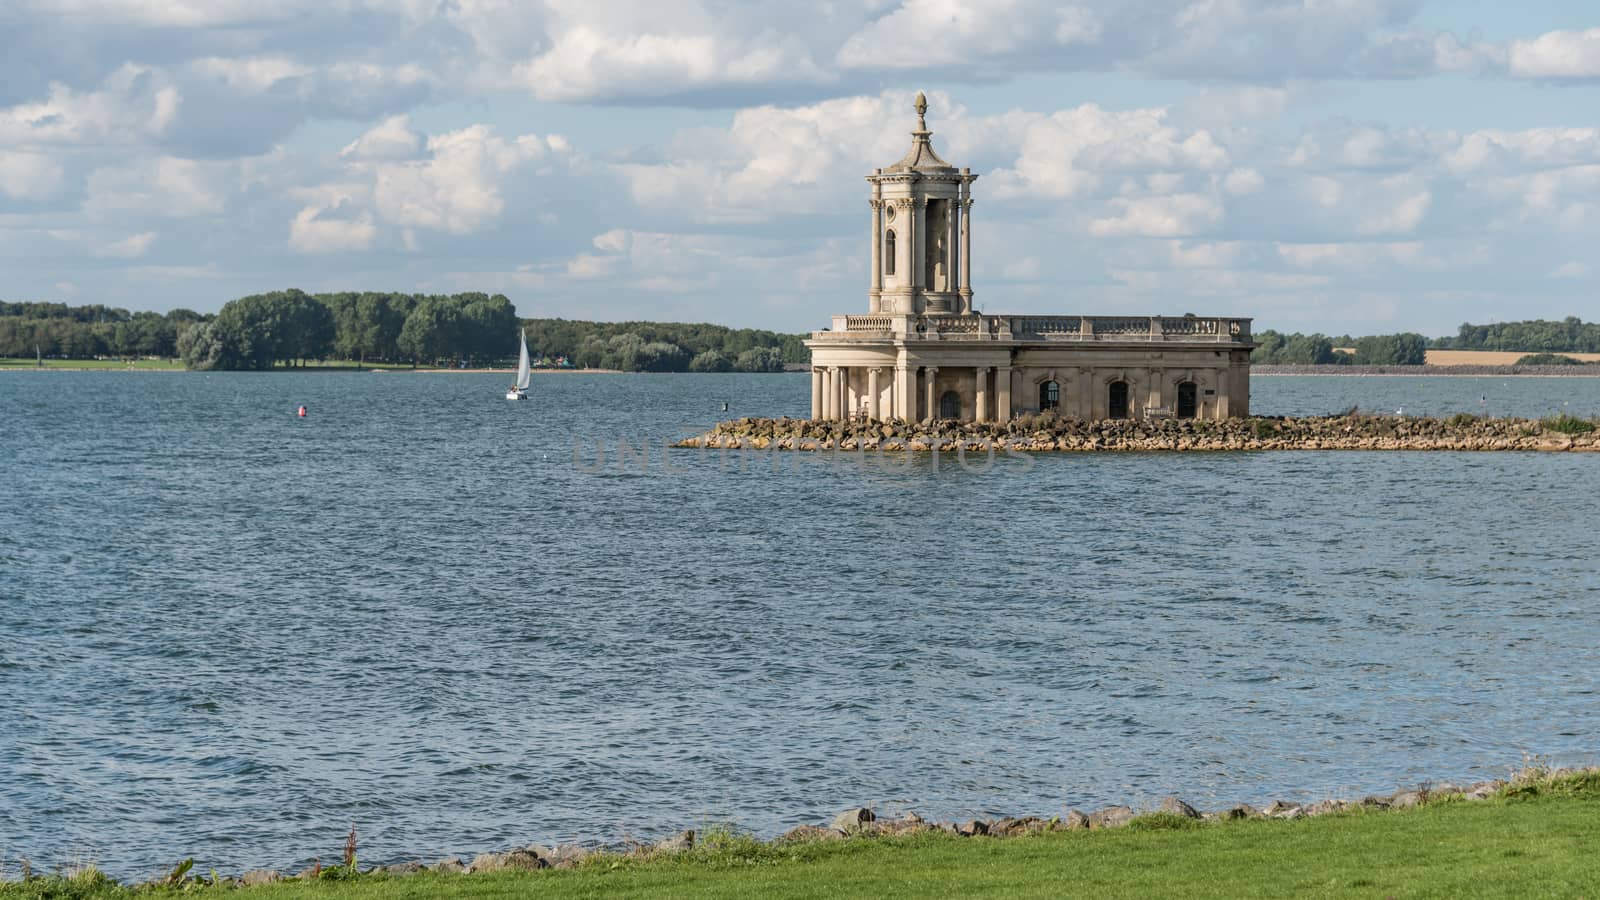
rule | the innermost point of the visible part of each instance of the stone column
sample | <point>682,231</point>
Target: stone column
<point>919,265</point>
<point>816,393</point>
<point>1220,383</point>
<point>903,247</point>
<point>1155,389</point>
<point>1090,395</point>
<point>843,400</point>
<point>956,264</point>
<point>829,393</point>
<point>904,392</point>
<point>872,393</point>
<point>932,374</point>
<point>1002,409</point>
<point>966,252</point>
<point>980,399</point>
<point>877,248</point>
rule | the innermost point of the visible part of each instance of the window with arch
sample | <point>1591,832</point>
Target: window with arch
<point>1049,396</point>
<point>1188,400</point>
<point>888,252</point>
<point>950,405</point>
<point>1117,400</point>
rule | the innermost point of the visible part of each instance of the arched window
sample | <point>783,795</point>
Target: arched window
<point>1188,400</point>
<point>1117,405</point>
<point>950,405</point>
<point>888,252</point>
<point>1049,396</point>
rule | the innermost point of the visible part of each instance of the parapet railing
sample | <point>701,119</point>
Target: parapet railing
<point>1049,329</point>
<point>868,323</point>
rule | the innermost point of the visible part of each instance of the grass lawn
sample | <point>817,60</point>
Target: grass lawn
<point>164,365</point>
<point>1541,841</point>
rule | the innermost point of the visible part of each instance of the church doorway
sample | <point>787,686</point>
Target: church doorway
<point>950,405</point>
<point>1188,400</point>
<point>1117,407</point>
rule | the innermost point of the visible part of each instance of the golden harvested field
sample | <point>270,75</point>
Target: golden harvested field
<point>1489,357</point>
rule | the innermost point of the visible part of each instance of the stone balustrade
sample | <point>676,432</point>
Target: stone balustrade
<point>1048,329</point>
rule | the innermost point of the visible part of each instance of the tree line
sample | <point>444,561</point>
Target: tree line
<point>292,328</point>
<point>1406,349</point>
<point>85,332</point>
<point>1570,335</point>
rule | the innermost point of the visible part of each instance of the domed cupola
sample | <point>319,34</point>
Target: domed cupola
<point>921,207</point>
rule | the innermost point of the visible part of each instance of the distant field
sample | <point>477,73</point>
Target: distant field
<point>1490,357</point>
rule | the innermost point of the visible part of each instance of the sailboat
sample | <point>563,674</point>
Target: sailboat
<point>519,391</point>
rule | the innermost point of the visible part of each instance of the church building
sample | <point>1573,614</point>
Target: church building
<point>921,352</point>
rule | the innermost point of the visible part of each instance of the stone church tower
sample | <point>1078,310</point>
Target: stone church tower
<point>921,353</point>
<point>921,240</point>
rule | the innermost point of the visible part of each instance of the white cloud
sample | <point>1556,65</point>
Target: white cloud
<point>1073,151</point>
<point>458,187</point>
<point>923,34</point>
<point>164,186</point>
<point>311,233</point>
<point>1159,216</point>
<point>130,247</point>
<point>1572,269</point>
<point>28,175</point>
<point>1557,54</point>
<point>133,105</point>
<point>391,139</point>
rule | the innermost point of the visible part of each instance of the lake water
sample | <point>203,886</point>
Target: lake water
<point>229,632</point>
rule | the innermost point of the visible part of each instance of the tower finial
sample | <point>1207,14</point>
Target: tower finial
<point>922,111</point>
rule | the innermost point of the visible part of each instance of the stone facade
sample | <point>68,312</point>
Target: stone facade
<point>922,353</point>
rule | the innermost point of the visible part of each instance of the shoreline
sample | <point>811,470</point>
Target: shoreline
<point>863,824</point>
<point>1268,370</point>
<point>1046,433</point>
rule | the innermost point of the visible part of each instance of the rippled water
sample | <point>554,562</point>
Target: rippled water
<point>229,632</point>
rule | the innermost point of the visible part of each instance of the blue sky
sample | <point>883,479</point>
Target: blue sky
<point>1329,165</point>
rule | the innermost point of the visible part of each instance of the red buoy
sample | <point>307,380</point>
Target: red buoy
<point>302,412</point>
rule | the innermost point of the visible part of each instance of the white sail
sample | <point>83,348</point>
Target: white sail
<point>523,376</point>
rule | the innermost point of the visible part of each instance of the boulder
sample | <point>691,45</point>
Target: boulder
<point>258,877</point>
<point>1111,817</point>
<point>523,860</point>
<point>1407,799</point>
<point>1076,821</point>
<point>566,856</point>
<point>1325,807</point>
<point>853,820</point>
<point>973,828</point>
<point>400,870</point>
<point>1279,807</point>
<point>1176,807</point>
<point>809,833</point>
<point>1242,811</point>
<point>678,843</point>
<point>450,865</point>
<point>486,862</point>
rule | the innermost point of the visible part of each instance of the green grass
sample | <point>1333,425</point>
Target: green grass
<point>163,365</point>
<point>1536,839</point>
<point>1566,424</point>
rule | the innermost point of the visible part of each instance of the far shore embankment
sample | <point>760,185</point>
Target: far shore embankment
<point>1047,433</point>
<point>1471,371</point>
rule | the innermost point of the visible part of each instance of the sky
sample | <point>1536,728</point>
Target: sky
<point>1342,166</point>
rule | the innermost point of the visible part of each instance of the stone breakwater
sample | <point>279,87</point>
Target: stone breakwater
<point>1046,433</point>
<point>861,823</point>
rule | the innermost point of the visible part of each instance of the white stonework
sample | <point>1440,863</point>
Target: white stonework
<point>922,353</point>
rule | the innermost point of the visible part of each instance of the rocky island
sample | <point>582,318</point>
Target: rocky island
<point>1046,432</point>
